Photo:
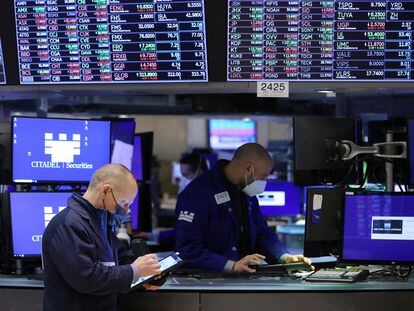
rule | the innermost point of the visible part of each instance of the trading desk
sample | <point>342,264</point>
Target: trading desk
<point>191,294</point>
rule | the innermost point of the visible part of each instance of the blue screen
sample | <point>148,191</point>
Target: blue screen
<point>379,228</point>
<point>280,199</point>
<point>122,130</point>
<point>30,214</point>
<point>134,207</point>
<point>58,150</point>
<point>228,134</point>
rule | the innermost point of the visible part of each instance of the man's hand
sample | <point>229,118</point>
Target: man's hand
<point>147,265</point>
<point>298,258</point>
<point>243,264</point>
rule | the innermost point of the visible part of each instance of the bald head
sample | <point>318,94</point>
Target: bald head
<point>250,162</point>
<point>115,174</point>
<point>110,185</point>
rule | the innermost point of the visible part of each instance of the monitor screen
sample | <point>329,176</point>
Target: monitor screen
<point>230,134</point>
<point>378,227</point>
<point>30,214</point>
<point>314,150</point>
<point>58,150</point>
<point>319,40</point>
<point>2,69</point>
<point>111,41</point>
<point>280,199</point>
<point>122,140</point>
<point>142,155</point>
<point>323,226</point>
<point>137,164</point>
<point>122,130</point>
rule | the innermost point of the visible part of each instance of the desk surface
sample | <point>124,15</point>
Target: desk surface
<point>264,284</point>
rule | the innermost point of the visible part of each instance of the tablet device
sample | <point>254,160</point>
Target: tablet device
<point>167,264</point>
<point>285,267</point>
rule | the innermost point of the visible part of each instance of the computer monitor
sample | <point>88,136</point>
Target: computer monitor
<point>145,209</point>
<point>377,129</point>
<point>123,130</point>
<point>122,140</point>
<point>410,147</point>
<point>30,214</point>
<point>176,173</point>
<point>134,207</point>
<point>378,228</point>
<point>63,151</point>
<point>142,156</point>
<point>323,226</point>
<point>314,145</point>
<point>230,134</point>
<point>280,199</point>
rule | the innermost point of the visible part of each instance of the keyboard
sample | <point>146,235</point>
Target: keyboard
<point>337,275</point>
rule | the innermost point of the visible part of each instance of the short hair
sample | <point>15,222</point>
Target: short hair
<point>110,173</point>
<point>195,160</point>
<point>251,152</point>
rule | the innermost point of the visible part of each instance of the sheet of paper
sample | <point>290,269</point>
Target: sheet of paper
<point>122,153</point>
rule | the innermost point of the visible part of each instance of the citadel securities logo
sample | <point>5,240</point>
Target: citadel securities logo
<point>62,152</point>
<point>48,215</point>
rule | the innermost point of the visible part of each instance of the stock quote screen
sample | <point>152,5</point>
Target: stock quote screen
<point>117,41</point>
<point>320,40</point>
<point>2,70</point>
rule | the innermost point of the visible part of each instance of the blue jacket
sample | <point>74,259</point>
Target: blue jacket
<point>74,250</point>
<point>207,229</point>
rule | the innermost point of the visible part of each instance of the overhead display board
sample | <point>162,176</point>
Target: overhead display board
<point>320,40</point>
<point>111,41</point>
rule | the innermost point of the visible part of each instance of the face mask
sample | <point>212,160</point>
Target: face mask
<point>255,188</point>
<point>120,216</point>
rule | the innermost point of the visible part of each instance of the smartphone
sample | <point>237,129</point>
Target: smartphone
<point>167,264</point>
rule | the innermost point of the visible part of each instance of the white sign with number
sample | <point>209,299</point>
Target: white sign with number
<point>273,89</point>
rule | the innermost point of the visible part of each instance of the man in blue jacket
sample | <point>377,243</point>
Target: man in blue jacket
<point>219,223</point>
<point>84,268</point>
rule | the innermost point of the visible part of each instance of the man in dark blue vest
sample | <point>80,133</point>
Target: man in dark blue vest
<point>84,265</point>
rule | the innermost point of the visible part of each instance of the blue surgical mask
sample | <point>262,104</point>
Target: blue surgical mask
<point>120,216</point>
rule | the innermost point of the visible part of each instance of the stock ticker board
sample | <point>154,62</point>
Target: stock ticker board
<point>320,40</point>
<point>111,41</point>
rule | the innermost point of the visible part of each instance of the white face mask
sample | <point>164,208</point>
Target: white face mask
<point>255,188</point>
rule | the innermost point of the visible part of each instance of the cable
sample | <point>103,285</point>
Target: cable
<point>397,272</point>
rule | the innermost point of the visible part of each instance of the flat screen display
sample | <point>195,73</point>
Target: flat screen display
<point>378,228</point>
<point>58,150</point>
<point>2,69</point>
<point>320,40</point>
<point>141,165</point>
<point>111,41</point>
<point>137,162</point>
<point>229,134</point>
<point>30,214</point>
<point>280,199</point>
<point>134,208</point>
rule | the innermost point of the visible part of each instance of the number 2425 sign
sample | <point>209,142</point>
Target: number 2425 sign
<point>273,89</point>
